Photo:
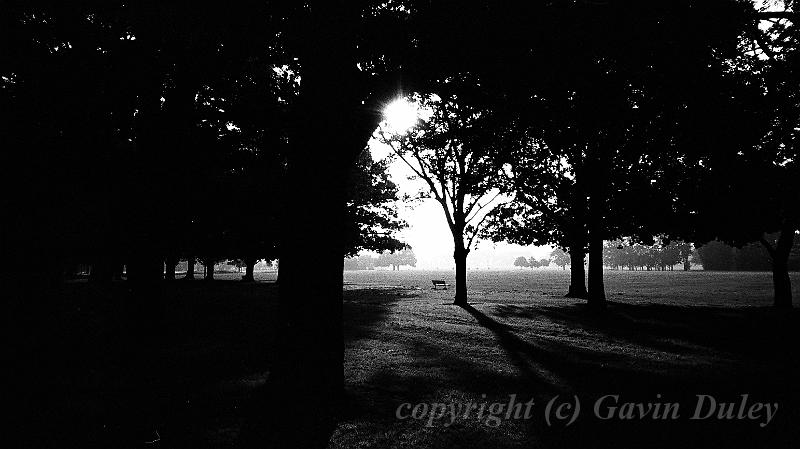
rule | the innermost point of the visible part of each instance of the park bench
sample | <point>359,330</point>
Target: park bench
<point>437,284</point>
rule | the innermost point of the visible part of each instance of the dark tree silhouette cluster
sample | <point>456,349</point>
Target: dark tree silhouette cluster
<point>620,255</point>
<point>144,133</point>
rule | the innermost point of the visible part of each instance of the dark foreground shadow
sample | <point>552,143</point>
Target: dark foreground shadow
<point>98,366</point>
<point>749,336</point>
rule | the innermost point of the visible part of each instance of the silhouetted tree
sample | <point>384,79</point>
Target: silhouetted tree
<point>626,253</point>
<point>754,257</point>
<point>397,258</point>
<point>548,206</point>
<point>716,256</point>
<point>726,205</point>
<point>612,118</point>
<point>190,262</point>
<point>521,261</point>
<point>371,208</point>
<point>560,258</point>
<point>333,117</point>
<point>451,150</point>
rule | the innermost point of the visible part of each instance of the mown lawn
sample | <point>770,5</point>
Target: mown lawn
<point>675,334</point>
<point>672,334</point>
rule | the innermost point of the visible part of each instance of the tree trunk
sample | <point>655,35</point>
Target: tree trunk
<point>299,405</point>
<point>600,160</point>
<point>596,297</point>
<point>119,269</point>
<point>577,282</point>
<point>577,238</point>
<point>189,268</point>
<point>782,283</point>
<point>303,395</point>
<point>460,257</point>
<point>169,272</point>
<point>249,267</point>
<point>780,267</point>
<point>102,270</point>
<point>209,265</point>
<point>141,346</point>
<point>145,270</point>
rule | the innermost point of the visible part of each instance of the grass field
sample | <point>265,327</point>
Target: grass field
<point>680,288</point>
<point>673,334</point>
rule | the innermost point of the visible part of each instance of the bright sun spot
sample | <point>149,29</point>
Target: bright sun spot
<point>400,115</point>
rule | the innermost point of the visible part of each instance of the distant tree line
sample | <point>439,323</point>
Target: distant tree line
<point>718,256</point>
<point>712,256</point>
<point>394,259</point>
<point>620,254</point>
<point>531,262</point>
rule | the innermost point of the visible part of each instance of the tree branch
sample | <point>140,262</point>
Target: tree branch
<point>421,173</point>
<point>480,207</point>
<point>531,202</point>
<point>475,231</point>
<point>758,38</point>
<point>766,15</point>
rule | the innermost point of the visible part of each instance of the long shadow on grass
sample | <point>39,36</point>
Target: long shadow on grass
<point>543,368</point>
<point>566,367</point>
<point>589,378</point>
<point>529,359</point>
<point>546,368</point>
<point>745,335</point>
<point>760,333</point>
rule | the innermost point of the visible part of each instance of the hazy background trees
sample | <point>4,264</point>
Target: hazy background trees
<point>622,254</point>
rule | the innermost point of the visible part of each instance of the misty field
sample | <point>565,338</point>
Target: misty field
<point>673,334</point>
<point>680,288</point>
